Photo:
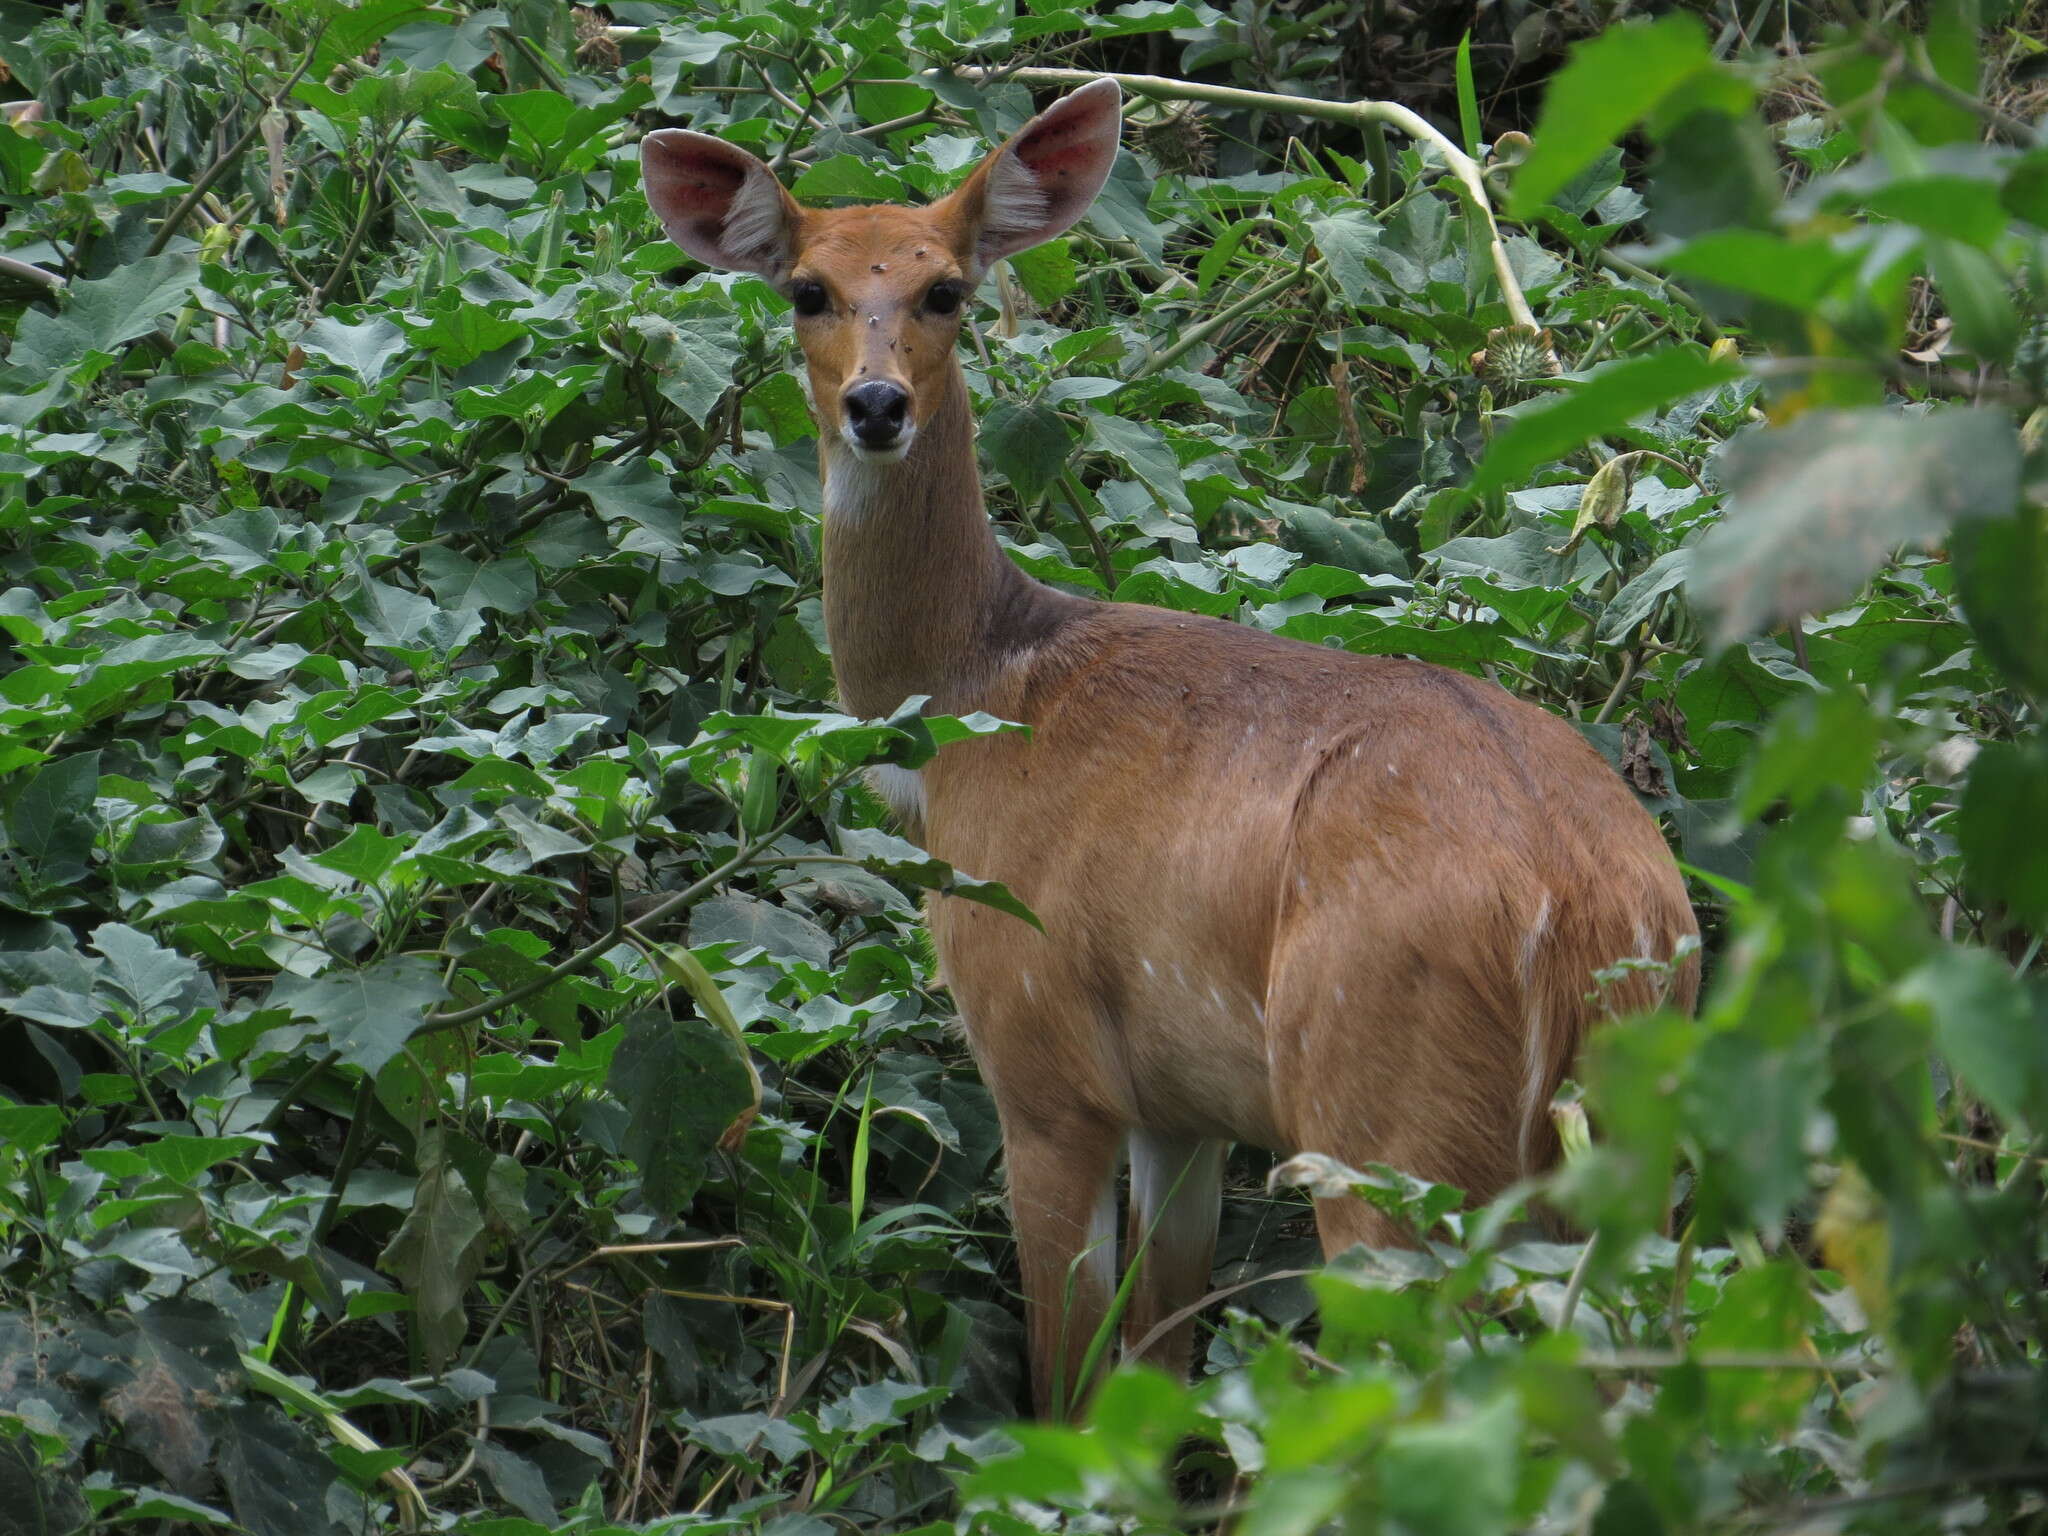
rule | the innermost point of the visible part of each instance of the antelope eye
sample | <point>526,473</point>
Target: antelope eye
<point>943,298</point>
<point>809,297</point>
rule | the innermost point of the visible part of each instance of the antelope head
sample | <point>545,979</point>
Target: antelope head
<point>878,290</point>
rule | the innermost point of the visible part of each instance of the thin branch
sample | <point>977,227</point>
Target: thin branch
<point>30,273</point>
<point>1216,324</point>
<point>227,161</point>
<point>1359,114</point>
<point>617,934</point>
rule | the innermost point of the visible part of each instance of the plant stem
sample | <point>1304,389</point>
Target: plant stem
<point>588,956</point>
<point>1359,114</point>
<point>232,154</point>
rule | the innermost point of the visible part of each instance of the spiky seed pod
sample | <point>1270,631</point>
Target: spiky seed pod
<point>1178,141</point>
<point>1515,355</point>
<point>594,45</point>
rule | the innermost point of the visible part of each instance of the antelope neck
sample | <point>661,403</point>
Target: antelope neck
<point>919,596</point>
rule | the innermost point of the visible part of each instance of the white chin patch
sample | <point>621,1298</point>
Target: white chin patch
<point>862,453</point>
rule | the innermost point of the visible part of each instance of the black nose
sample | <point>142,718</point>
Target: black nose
<point>875,410</point>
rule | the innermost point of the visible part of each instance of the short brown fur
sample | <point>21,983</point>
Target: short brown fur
<point>1292,896</point>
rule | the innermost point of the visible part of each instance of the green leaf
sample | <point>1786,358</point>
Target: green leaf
<point>460,584</point>
<point>681,1083</point>
<point>149,974</point>
<point>410,623</point>
<point>366,350</point>
<point>1604,403</point>
<point>1028,443</point>
<point>749,923</point>
<point>1992,1028</point>
<point>2001,566</point>
<point>1957,207</point>
<point>51,820</point>
<point>1142,449</point>
<point>1794,273</point>
<point>100,315</point>
<point>1976,291</point>
<point>181,1159</point>
<point>1608,86</point>
<point>1456,1477</point>
<point>1468,98</point>
<point>2005,808</point>
<point>1047,272</point>
<point>1816,505</point>
<point>1765,1310</point>
<point>367,1013</point>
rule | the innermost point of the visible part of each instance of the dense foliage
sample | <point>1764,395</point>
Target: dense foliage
<point>471,1056</point>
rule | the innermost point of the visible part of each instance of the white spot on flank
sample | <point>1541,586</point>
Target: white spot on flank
<point>1533,938</point>
<point>1643,940</point>
<point>1393,772</point>
<point>1339,994</point>
<point>1535,1065</point>
<point>1216,997</point>
<point>1029,989</point>
<point>1150,968</point>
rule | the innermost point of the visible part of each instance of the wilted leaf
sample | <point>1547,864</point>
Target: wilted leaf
<point>439,1248</point>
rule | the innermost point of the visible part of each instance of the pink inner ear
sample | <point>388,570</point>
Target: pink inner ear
<point>695,185</point>
<point>1061,149</point>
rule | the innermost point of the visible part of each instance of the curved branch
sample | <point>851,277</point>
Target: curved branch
<point>1359,114</point>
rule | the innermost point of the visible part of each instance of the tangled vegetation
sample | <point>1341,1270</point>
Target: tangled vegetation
<point>471,1058</point>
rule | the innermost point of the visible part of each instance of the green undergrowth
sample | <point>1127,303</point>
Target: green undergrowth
<point>469,1054</point>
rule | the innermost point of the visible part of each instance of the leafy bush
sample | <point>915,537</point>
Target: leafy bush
<point>473,1060</point>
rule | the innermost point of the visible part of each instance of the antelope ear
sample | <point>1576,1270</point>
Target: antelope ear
<point>1040,182</point>
<point>718,202</point>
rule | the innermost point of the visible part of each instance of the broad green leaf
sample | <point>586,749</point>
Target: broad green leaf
<point>149,974</point>
<point>681,1084</point>
<point>367,350</point>
<point>2005,809</point>
<point>1455,1477</point>
<point>1606,402</point>
<point>1607,86</point>
<point>1028,443</point>
<point>181,1159</point>
<point>1814,506</point>
<point>461,584</point>
<point>1974,288</point>
<point>748,922</point>
<point>1794,273</point>
<point>408,622</point>
<point>1141,450</point>
<point>2001,566</point>
<point>1766,1310</point>
<point>367,1013</point>
<point>100,315</point>
<point>1992,1028</point>
<point>51,820</point>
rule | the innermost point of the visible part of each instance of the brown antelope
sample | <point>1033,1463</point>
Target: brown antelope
<point>1291,896</point>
